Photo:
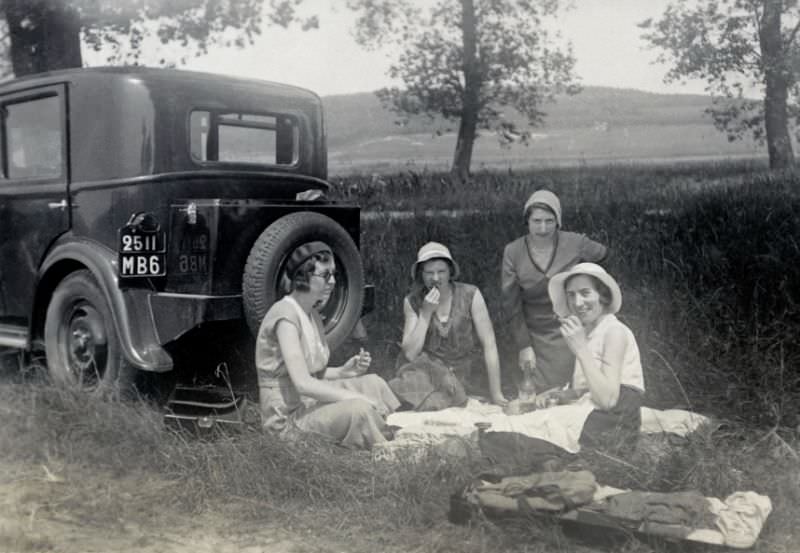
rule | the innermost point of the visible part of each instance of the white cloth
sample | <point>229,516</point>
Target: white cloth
<point>631,374</point>
<point>673,421</point>
<point>741,517</point>
<point>560,425</point>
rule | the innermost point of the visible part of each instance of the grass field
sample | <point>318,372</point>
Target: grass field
<point>703,253</point>
<point>595,127</point>
<point>706,255</point>
<point>593,145</point>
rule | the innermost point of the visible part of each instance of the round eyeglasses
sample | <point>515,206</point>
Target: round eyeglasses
<point>327,275</point>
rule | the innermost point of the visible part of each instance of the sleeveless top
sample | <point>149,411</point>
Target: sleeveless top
<point>453,341</point>
<point>631,374</point>
<point>275,386</point>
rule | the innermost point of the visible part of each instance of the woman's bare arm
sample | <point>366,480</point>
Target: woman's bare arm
<point>485,332</point>
<point>307,385</point>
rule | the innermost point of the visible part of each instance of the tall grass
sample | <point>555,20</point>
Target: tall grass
<point>706,258</point>
<point>118,461</point>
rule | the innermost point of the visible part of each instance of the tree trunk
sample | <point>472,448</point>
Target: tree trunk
<point>776,79</point>
<point>45,35</point>
<point>470,100</point>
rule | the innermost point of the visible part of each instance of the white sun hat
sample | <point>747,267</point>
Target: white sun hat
<point>434,250</point>
<point>558,294</point>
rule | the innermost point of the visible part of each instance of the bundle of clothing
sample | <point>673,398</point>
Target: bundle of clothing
<point>576,496</point>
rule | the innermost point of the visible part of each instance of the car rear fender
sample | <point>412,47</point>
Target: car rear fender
<point>132,318</point>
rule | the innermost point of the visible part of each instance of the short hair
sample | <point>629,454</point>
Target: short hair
<point>302,276</point>
<point>602,290</point>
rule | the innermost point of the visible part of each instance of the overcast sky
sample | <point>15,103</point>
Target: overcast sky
<point>604,35</point>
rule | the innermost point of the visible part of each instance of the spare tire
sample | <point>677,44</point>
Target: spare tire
<point>265,280</point>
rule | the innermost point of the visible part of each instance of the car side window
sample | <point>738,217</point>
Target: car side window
<point>244,138</point>
<point>33,138</point>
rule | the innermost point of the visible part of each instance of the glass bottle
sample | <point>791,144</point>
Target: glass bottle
<point>527,389</point>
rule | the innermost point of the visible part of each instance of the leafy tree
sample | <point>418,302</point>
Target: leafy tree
<point>47,34</point>
<point>467,61</point>
<point>737,46</point>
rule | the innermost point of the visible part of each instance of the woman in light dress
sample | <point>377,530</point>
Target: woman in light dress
<point>297,388</point>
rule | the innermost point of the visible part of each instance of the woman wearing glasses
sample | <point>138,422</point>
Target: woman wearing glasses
<point>296,386</point>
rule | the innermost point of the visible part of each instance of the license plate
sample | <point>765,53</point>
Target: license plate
<point>192,258</point>
<point>141,254</point>
<point>192,263</point>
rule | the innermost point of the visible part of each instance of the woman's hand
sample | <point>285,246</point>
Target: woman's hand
<point>356,365</point>
<point>547,399</point>
<point>430,302</point>
<point>499,399</point>
<point>574,333</point>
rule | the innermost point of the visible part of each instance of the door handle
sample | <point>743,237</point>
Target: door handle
<point>57,205</point>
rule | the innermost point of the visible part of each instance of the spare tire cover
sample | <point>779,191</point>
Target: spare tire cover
<point>265,281</point>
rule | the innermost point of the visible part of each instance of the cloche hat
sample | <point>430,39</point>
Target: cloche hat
<point>546,200</point>
<point>558,294</point>
<point>434,250</point>
<point>303,253</point>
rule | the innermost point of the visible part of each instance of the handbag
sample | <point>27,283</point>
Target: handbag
<point>427,384</point>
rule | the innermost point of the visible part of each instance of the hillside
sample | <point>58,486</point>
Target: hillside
<point>600,125</point>
<point>360,116</point>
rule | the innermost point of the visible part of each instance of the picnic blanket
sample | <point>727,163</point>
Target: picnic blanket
<point>560,425</point>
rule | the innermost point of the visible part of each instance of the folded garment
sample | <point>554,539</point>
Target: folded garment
<point>735,522</point>
<point>552,491</point>
<point>687,509</point>
<point>511,453</point>
<point>741,516</point>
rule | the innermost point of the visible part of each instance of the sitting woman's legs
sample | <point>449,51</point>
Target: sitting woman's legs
<point>375,388</point>
<point>353,423</point>
<point>616,427</point>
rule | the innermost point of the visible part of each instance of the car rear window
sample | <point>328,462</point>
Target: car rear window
<point>229,137</point>
<point>33,138</point>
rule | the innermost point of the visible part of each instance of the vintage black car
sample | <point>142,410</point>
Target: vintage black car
<point>146,212</point>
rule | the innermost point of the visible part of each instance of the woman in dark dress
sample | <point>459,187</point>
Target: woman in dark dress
<point>446,321</point>
<point>528,264</point>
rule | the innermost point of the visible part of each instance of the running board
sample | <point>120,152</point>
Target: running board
<point>13,336</point>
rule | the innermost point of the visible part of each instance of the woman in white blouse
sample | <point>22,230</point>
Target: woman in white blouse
<point>607,364</point>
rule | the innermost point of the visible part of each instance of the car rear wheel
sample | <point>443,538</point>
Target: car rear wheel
<point>81,343</point>
<point>265,280</point>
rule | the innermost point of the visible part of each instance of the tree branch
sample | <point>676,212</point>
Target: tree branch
<point>792,35</point>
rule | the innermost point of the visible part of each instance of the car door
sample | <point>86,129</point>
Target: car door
<point>34,199</point>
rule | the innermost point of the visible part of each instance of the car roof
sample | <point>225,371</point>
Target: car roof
<point>152,75</point>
